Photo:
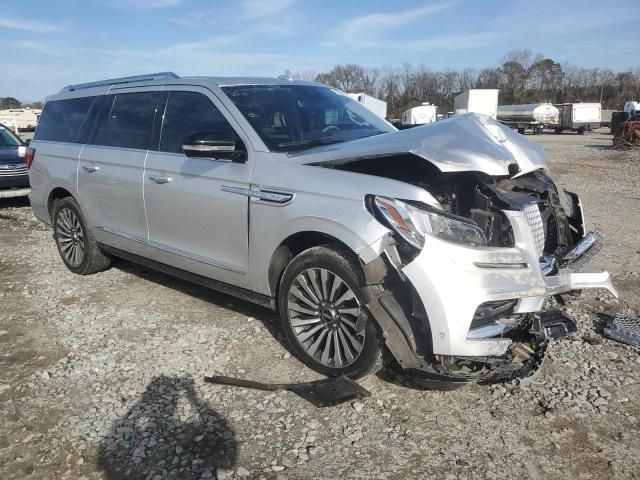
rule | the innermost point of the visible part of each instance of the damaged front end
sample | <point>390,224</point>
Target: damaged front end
<point>462,288</point>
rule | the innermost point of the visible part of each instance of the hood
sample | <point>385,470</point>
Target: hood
<point>463,143</point>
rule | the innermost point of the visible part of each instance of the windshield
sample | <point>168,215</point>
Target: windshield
<point>7,139</point>
<point>294,117</point>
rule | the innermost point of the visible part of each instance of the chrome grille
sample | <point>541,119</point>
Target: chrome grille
<point>5,172</point>
<point>534,219</point>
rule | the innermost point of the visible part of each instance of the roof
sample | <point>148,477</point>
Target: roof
<point>163,78</point>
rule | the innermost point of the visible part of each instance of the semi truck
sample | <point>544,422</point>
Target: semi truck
<point>578,117</point>
<point>477,100</point>
<point>535,116</point>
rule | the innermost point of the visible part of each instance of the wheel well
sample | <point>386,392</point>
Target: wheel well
<point>292,246</point>
<point>56,194</point>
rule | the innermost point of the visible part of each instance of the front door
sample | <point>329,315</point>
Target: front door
<point>197,219</point>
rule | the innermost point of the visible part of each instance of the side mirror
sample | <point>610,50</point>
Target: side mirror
<point>27,142</point>
<point>214,144</point>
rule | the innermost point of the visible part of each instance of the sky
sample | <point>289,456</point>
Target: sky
<point>47,45</point>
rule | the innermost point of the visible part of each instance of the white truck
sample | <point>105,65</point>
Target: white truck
<point>379,107</point>
<point>420,115</point>
<point>477,100</point>
<point>578,117</point>
<point>631,106</point>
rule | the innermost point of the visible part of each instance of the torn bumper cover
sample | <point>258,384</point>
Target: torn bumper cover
<point>453,281</point>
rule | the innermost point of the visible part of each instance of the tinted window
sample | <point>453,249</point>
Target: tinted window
<point>188,113</point>
<point>8,140</point>
<point>131,120</point>
<point>61,119</point>
<point>98,134</point>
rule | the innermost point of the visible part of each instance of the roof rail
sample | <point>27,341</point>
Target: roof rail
<point>121,80</point>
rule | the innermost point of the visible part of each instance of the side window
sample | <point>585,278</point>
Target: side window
<point>188,113</point>
<point>98,135</point>
<point>60,120</point>
<point>131,120</point>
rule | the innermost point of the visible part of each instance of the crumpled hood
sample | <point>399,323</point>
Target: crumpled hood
<point>469,142</point>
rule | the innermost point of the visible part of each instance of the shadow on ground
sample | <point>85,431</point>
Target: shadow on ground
<point>170,432</point>
<point>268,318</point>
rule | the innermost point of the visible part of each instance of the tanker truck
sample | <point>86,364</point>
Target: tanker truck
<point>535,116</point>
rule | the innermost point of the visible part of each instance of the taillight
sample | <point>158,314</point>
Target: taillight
<point>29,155</point>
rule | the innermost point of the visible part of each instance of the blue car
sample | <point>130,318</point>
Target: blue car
<point>13,169</point>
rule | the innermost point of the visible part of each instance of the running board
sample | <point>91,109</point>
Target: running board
<point>242,293</point>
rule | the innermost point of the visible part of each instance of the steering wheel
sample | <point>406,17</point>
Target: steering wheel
<point>330,128</point>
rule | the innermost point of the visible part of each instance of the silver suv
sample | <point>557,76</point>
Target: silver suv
<point>440,244</point>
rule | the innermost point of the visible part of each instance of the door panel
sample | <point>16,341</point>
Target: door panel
<point>194,224</point>
<point>110,188</point>
<point>111,169</point>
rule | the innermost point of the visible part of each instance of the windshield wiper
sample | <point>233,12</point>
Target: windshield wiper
<point>313,142</point>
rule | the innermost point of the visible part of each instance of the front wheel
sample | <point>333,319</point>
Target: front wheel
<point>322,301</point>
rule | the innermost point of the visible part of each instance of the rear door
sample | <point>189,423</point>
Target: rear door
<point>197,208</point>
<point>112,166</point>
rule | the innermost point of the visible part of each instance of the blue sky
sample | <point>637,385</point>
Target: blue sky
<point>50,44</point>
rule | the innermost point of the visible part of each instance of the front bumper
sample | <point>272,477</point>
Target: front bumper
<point>14,181</point>
<point>452,281</point>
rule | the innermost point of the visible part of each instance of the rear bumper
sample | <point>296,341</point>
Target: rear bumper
<point>452,281</point>
<point>39,209</point>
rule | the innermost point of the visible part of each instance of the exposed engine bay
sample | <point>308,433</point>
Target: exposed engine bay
<point>482,198</point>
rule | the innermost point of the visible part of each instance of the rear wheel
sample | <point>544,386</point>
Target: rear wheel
<point>321,301</point>
<point>76,245</point>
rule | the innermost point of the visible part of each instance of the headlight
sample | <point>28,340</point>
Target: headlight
<point>412,223</point>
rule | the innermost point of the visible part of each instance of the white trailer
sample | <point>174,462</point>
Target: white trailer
<point>477,100</point>
<point>631,107</point>
<point>379,107</point>
<point>20,119</point>
<point>533,115</point>
<point>420,115</point>
<point>578,117</point>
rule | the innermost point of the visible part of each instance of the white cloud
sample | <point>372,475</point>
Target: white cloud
<point>28,25</point>
<point>40,48</point>
<point>142,4</point>
<point>266,8</point>
<point>367,30</point>
<point>453,42</point>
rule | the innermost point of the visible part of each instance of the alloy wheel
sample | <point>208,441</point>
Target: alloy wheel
<point>70,237</point>
<point>323,312</point>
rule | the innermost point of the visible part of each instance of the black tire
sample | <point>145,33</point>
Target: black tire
<point>557,131</point>
<point>521,130</point>
<point>89,258</point>
<point>335,259</point>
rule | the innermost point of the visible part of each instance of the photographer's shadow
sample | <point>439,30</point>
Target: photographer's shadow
<point>169,432</point>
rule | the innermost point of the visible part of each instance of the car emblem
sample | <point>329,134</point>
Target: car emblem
<point>12,166</point>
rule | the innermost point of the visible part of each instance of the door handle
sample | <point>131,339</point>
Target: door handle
<point>160,179</point>
<point>90,168</point>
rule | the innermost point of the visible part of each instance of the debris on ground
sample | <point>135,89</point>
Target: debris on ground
<point>625,327</point>
<point>322,393</point>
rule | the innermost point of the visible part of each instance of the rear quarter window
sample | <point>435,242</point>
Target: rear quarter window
<point>61,119</point>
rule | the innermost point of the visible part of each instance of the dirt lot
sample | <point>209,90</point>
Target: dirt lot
<point>101,376</point>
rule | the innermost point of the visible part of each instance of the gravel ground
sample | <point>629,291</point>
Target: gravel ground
<point>101,377</point>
